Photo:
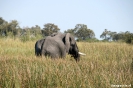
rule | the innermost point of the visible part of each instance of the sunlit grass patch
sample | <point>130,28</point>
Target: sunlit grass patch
<point>105,64</point>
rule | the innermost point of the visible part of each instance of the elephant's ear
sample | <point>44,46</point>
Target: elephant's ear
<point>67,42</point>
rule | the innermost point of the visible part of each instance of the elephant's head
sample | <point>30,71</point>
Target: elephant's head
<point>71,47</point>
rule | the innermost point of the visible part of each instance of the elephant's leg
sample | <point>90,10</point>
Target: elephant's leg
<point>38,53</point>
<point>63,52</point>
<point>43,52</point>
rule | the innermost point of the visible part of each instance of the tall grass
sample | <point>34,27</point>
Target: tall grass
<point>105,64</point>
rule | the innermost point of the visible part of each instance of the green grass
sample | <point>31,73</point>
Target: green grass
<point>104,65</point>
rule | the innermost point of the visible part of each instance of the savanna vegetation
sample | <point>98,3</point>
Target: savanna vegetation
<point>80,31</point>
<point>106,64</point>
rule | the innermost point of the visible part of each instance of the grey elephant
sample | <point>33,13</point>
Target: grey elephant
<point>59,45</point>
<point>39,43</point>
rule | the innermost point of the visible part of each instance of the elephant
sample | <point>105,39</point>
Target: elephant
<point>59,45</point>
<point>39,43</point>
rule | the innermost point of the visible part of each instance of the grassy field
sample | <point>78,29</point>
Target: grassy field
<point>106,65</point>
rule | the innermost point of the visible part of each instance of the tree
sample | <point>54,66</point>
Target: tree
<point>104,34</point>
<point>3,26</point>
<point>72,31</point>
<point>35,30</point>
<point>82,32</point>
<point>119,36</point>
<point>1,20</point>
<point>128,37</point>
<point>13,27</point>
<point>50,28</point>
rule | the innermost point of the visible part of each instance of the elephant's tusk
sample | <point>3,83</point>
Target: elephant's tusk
<point>81,53</point>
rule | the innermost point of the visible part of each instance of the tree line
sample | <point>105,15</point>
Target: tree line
<point>80,31</point>
<point>114,36</point>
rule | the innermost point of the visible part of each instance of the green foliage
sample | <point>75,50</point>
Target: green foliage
<point>81,32</point>
<point>114,36</point>
<point>71,31</point>
<point>88,40</point>
<point>105,35</point>
<point>12,29</point>
<point>36,30</point>
<point>92,40</point>
<point>3,27</point>
<point>27,37</point>
<point>49,29</point>
<point>129,37</point>
<point>1,20</point>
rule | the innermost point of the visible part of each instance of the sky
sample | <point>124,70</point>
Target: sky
<point>113,15</point>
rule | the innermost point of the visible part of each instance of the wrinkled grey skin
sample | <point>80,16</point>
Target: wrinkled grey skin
<point>39,43</point>
<point>59,45</point>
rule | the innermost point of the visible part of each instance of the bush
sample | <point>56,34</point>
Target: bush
<point>129,38</point>
<point>30,38</point>
<point>88,40</point>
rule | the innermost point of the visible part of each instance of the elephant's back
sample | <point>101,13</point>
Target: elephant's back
<point>52,46</point>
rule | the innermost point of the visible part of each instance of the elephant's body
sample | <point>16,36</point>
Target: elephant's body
<point>54,47</point>
<point>38,45</point>
<point>57,46</point>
